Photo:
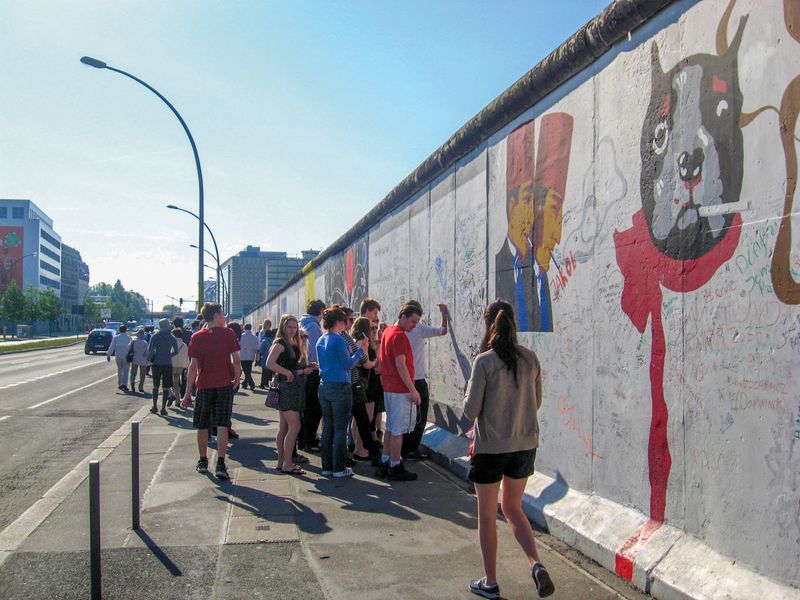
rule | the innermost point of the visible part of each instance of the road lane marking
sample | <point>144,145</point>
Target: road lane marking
<point>5,417</point>
<point>15,534</point>
<point>40,377</point>
<point>71,392</point>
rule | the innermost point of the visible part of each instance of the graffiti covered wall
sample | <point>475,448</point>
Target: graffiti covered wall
<point>11,256</point>
<point>640,220</point>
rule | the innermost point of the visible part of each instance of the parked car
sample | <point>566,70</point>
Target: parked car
<point>113,325</point>
<point>98,340</point>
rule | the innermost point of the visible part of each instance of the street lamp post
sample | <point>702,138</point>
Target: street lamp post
<point>99,64</point>
<point>211,233</point>
<point>218,271</point>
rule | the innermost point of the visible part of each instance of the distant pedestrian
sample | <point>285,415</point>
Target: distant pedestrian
<point>504,394</point>
<point>180,362</point>
<point>417,337</point>
<point>287,359</point>
<point>265,330</point>
<point>248,345</point>
<point>186,333</point>
<point>139,362</point>
<point>369,309</point>
<point>162,347</point>
<point>215,365</point>
<point>266,339</point>
<point>400,396</point>
<point>335,392</point>
<point>312,413</point>
<point>119,350</point>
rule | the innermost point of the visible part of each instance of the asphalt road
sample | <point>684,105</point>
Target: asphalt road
<point>56,406</point>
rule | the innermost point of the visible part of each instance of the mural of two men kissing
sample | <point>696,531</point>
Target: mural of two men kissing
<point>535,184</point>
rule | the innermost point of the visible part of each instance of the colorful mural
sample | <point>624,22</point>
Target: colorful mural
<point>10,256</point>
<point>534,201</point>
<point>346,276</point>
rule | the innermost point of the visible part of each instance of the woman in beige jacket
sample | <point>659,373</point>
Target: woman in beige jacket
<point>503,396</point>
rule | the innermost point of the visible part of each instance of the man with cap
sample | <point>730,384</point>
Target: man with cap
<point>163,346</point>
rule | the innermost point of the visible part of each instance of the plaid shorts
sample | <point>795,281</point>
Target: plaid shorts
<point>213,407</point>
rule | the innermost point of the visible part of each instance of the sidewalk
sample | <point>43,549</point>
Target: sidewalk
<point>264,534</point>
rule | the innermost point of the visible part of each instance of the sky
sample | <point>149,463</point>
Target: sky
<point>299,109</point>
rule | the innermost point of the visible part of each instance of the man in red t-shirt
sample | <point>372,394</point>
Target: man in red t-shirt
<point>400,396</point>
<point>215,366</point>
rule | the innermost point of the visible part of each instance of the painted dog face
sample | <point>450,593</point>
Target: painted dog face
<point>692,150</point>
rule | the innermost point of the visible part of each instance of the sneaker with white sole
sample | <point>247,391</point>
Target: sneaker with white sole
<point>348,472</point>
<point>222,472</point>
<point>544,585</point>
<point>480,588</point>
<point>327,473</point>
<point>202,465</point>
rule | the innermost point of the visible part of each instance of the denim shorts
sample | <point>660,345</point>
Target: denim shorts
<point>491,468</point>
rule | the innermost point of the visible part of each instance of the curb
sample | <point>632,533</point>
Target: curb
<point>39,349</point>
<point>659,559</point>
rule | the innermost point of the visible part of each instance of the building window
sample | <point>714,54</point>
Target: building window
<point>3,212</point>
<point>17,212</point>
<point>47,252</point>
<point>51,282</point>
<point>50,238</point>
<point>49,267</point>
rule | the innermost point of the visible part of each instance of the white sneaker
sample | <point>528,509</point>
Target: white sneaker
<point>348,472</point>
<point>327,473</point>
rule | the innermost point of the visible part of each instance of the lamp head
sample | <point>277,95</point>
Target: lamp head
<point>193,246</point>
<point>172,206</point>
<point>93,62</point>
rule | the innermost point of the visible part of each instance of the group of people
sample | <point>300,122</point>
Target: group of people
<point>163,354</point>
<point>343,372</point>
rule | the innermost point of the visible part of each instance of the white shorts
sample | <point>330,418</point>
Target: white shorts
<point>401,414</point>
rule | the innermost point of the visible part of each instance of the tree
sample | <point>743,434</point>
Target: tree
<point>90,310</point>
<point>32,308</point>
<point>170,308</point>
<point>50,307</point>
<point>14,303</point>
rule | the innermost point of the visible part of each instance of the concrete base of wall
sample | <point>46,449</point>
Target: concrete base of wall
<point>670,564</point>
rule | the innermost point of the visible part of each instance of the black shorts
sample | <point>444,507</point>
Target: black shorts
<point>491,468</point>
<point>213,407</point>
<point>162,376</point>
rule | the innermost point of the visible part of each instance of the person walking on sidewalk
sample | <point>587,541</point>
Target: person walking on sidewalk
<point>400,397</point>
<point>180,362</point>
<point>119,350</point>
<point>249,346</point>
<point>163,346</point>
<point>417,337</point>
<point>215,365</point>
<point>287,358</point>
<point>504,394</point>
<point>335,393</point>
<point>311,413</point>
<point>139,362</point>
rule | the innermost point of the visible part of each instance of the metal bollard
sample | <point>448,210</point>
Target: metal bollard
<point>135,507</point>
<point>94,527</point>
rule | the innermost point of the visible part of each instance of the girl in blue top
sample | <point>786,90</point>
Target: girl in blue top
<point>335,393</point>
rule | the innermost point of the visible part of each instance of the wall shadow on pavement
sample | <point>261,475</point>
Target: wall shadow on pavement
<point>158,553</point>
<point>551,494</point>
<point>402,500</point>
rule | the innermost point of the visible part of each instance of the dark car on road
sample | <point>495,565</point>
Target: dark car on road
<point>98,340</point>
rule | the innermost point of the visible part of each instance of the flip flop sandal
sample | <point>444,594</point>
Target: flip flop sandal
<point>296,471</point>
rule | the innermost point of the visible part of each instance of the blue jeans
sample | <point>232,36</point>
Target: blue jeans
<point>336,401</point>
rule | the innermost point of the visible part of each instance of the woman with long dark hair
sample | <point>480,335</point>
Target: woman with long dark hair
<point>503,396</point>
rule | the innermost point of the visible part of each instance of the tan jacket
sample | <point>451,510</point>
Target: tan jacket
<point>505,411</point>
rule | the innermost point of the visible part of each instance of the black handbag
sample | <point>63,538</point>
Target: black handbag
<point>129,355</point>
<point>273,393</point>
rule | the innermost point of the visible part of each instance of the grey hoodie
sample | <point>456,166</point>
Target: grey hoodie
<point>163,346</point>
<point>314,331</point>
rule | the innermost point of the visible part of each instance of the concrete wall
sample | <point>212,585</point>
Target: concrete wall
<point>660,286</point>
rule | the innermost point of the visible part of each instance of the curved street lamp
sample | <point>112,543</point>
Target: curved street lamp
<point>218,270</point>
<point>99,64</point>
<point>213,239</point>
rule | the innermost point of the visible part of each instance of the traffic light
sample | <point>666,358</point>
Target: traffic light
<point>180,302</point>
